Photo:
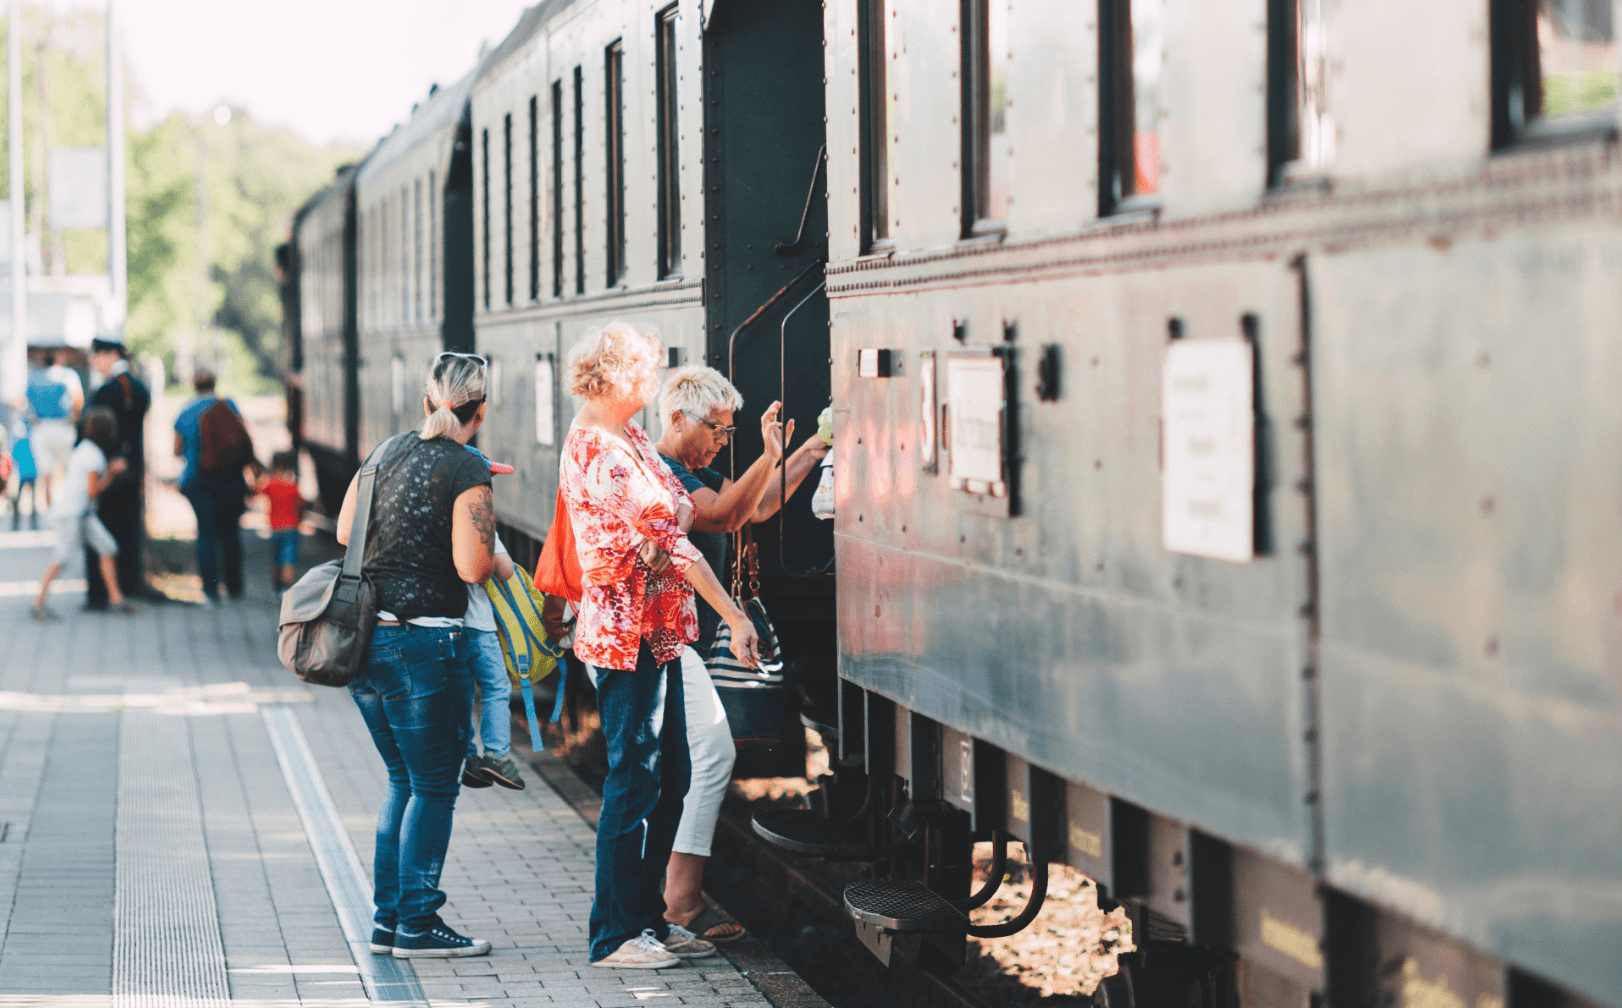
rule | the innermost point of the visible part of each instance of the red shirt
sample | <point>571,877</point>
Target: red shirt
<point>615,501</point>
<point>285,503</point>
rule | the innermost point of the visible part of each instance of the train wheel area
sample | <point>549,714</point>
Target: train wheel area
<point>184,822</point>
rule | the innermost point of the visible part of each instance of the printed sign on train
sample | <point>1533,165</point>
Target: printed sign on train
<point>1207,501</point>
<point>974,388</point>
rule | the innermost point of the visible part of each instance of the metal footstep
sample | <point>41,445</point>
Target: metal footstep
<point>802,831</point>
<point>904,906</point>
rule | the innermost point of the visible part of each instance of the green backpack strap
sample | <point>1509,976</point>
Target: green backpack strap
<point>523,677</point>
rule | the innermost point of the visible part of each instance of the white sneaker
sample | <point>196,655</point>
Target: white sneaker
<point>641,952</point>
<point>686,945</point>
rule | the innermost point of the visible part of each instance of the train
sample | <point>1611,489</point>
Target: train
<point>1224,439</point>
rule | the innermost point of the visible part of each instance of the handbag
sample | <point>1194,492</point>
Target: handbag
<point>328,615</point>
<point>557,571</point>
<point>530,656</point>
<point>752,698</point>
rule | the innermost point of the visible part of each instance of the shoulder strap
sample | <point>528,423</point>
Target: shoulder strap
<point>362,518</point>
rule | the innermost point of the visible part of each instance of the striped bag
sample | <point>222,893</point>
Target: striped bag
<point>752,698</point>
<point>530,656</point>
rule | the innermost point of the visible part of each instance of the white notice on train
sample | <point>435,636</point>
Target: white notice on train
<point>1207,501</point>
<point>975,390</point>
<point>545,426</point>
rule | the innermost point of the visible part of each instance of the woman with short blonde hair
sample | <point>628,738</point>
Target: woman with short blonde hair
<point>635,616</point>
<point>696,411</point>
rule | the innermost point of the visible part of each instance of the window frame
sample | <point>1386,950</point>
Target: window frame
<point>557,188</point>
<point>416,248</point>
<point>1516,67</point>
<point>580,179</point>
<point>873,83</point>
<point>509,287</point>
<point>614,162</point>
<point>974,120</point>
<point>403,270</point>
<point>433,246</point>
<point>534,199</point>
<point>668,136</point>
<point>484,209</point>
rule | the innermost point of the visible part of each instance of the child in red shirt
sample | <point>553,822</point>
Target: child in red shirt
<point>286,507</point>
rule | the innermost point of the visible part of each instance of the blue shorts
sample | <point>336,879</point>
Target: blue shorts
<point>284,547</point>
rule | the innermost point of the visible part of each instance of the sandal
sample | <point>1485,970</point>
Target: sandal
<point>708,920</point>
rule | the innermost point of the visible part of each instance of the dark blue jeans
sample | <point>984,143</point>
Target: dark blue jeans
<point>648,771</point>
<point>415,694</point>
<point>218,505</point>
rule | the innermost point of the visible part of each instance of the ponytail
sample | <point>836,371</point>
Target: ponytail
<point>454,393</point>
<point>440,423</point>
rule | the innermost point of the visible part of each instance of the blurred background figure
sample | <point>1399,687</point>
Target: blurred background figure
<point>24,473</point>
<point>211,436</point>
<point>122,508</point>
<point>55,397</point>
<point>279,487</point>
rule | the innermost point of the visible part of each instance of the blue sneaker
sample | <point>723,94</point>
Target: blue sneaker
<point>382,941</point>
<point>439,942</point>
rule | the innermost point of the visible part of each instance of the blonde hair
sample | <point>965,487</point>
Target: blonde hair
<point>617,362</point>
<point>698,390</point>
<point>455,389</point>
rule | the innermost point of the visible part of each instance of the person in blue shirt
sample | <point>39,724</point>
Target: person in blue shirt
<point>695,412</point>
<point>218,501</point>
<point>55,397</point>
<point>22,453</point>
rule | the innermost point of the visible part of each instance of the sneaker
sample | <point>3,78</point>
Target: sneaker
<point>126,608</point>
<point>686,945</point>
<point>43,614</point>
<point>499,769</point>
<point>641,952</point>
<point>471,777</point>
<point>438,942</point>
<point>382,941</point>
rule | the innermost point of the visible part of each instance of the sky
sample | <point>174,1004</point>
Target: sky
<point>332,71</point>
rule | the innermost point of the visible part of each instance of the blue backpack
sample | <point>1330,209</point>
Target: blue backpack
<point>48,397</point>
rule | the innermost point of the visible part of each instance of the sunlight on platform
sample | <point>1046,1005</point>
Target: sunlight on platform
<point>219,698</point>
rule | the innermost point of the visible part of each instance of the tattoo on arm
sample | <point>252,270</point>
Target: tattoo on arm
<point>484,518</point>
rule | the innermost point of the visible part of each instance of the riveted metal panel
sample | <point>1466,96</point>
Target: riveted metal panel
<point>1472,653</point>
<point>1068,635</point>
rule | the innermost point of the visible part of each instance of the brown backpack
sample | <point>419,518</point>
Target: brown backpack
<point>226,444</point>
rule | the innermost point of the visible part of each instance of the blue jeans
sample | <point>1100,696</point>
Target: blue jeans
<point>218,505</point>
<point>415,695</point>
<point>647,777</point>
<point>490,672</point>
<point>284,547</point>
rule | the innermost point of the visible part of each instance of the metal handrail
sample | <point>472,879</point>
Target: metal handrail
<point>782,396</point>
<point>793,247</point>
<point>732,340</point>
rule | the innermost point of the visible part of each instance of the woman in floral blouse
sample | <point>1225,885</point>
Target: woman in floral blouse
<point>629,515</point>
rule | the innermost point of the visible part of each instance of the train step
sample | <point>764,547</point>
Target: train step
<point>802,831</point>
<point>904,906</point>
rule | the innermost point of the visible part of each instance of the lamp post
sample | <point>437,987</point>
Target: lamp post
<point>117,248</point>
<point>14,360</point>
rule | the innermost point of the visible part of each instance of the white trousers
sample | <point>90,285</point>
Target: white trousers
<point>709,747</point>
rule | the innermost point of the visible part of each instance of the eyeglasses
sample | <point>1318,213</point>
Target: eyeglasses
<point>469,356</point>
<point>728,431</point>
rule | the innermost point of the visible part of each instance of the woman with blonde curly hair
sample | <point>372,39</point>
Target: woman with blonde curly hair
<point>636,614</point>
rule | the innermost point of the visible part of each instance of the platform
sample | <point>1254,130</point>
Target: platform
<point>184,823</point>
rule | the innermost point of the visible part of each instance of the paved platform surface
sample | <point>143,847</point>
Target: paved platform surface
<point>185,823</point>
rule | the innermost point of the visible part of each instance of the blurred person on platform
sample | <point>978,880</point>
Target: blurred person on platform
<point>73,514</point>
<point>121,504</point>
<point>24,472</point>
<point>696,411</point>
<point>279,487</point>
<point>210,435</point>
<point>431,535</point>
<point>55,398</point>
<point>635,616</point>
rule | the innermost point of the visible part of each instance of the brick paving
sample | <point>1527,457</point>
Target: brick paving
<point>518,872</point>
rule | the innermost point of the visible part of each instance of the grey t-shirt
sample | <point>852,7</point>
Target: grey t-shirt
<point>480,614</point>
<point>408,549</point>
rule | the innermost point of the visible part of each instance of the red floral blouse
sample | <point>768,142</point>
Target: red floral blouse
<point>615,502</point>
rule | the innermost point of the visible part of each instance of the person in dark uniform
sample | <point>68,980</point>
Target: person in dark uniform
<point>121,506</point>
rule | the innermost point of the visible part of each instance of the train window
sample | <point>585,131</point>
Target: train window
<point>1554,69</point>
<point>614,158</point>
<point>416,249</point>
<point>433,247</point>
<point>507,206</point>
<point>484,213</point>
<point>493,386</point>
<point>1300,130</point>
<point>1130,56</point>
<point>557,188</point>
<point>579,180</point>
<point>985,101</point>
<point>669,148</point>
<point>534,199</point>
<point>875,167</point>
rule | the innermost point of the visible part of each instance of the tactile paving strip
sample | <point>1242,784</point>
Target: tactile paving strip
<point>166,934</point>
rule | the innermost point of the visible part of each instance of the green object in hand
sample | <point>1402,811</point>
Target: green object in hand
<point>825,426</point>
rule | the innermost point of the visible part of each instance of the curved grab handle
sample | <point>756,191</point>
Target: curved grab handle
<point>999,868</point>
<point>1014,925</point>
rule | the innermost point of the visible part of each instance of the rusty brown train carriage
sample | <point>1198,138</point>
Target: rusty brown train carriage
<point>1227,447</point>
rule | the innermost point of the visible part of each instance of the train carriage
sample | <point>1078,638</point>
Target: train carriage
<point>1221,401</point>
